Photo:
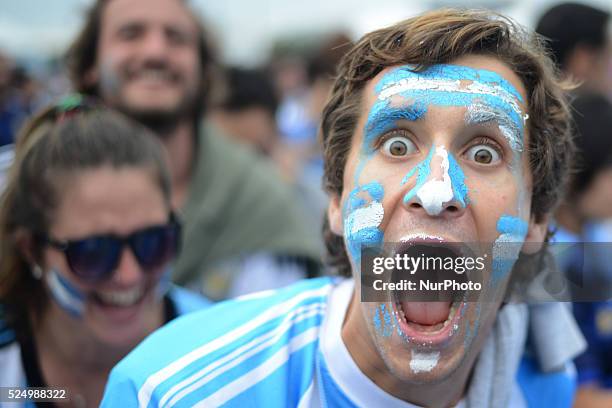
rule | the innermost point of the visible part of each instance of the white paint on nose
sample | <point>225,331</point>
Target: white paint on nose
<point>435,192</point>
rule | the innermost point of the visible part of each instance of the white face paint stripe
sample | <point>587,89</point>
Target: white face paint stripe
<point>446,85</point>
<point>419,235</point>
<point>367,217</point>
<point>424,362</point>
<point>434,193</point>
<point>480,113</point>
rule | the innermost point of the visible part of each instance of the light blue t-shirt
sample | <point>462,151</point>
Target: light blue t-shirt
<point>279,348</point>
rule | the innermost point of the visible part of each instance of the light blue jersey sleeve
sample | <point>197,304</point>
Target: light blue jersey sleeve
<point>257,350</point>
<point>123,392</point>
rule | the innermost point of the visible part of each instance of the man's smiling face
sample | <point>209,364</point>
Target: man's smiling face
<point>437,156</point>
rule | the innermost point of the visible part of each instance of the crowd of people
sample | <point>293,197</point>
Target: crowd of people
<point>165,184</point>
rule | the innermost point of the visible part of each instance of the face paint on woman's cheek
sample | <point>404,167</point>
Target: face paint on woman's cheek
<point>65,294</point>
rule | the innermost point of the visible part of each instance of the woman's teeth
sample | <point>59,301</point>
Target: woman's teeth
<point>121,297</point>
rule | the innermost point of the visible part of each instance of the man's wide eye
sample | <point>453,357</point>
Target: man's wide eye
<point>398,146</point>
<point>483,154</point>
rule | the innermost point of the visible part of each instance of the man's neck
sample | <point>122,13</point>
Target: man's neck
<point>180,145</point>
<point>359,343</point>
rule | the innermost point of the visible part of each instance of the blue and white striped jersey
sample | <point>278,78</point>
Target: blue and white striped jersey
<point>274,349</point>
<point>258,350</point>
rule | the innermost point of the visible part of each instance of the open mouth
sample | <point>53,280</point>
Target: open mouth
<point>431,312</point>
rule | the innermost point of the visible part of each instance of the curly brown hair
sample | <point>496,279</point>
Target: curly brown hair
<point>439,37</point>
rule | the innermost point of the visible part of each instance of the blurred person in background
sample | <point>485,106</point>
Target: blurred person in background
<point>580,40</point>
<point>86,236</point>
<point>247,113</point>
<point>14,107</point>
<point>582,219</point>
<point>300,112</point>
<point>151,60</point>
<point>247,110</point>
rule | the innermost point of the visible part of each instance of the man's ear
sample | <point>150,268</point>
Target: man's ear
<point>334,215</point>
<point>536,234</point>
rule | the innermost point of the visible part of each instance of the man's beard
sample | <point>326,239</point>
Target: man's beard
<point>159,120</point>
<point>162,122</point>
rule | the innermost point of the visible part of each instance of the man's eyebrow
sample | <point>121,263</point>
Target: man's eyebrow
<point>479,114</point>
<point>384,117</point>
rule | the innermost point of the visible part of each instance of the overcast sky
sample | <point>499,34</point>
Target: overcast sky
<point>244,28</point>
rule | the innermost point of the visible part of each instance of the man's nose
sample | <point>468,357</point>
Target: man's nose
<point>438,188</point>
<point>155,44</point>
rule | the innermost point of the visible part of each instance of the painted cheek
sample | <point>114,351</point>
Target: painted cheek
<point>70,298</point>
<point>363,215</point>
<point>507,246</point>
<point>383,323</point>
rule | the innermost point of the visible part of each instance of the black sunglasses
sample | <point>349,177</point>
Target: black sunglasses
<point>95,258</point>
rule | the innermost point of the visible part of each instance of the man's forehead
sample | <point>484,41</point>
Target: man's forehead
<point>166,12</point>
<point>488,82</point>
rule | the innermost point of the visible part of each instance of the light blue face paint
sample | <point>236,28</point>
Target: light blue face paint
<point>507,246</point>
<point>383,118</point>
<point>422,171</point>
<point>448,85</point>
<point>480,114</point>
<point>384,326</point>
<point>457,177</point>
<point>512,226</point>
<point>377,321</point>
<point>388,324</point>
<point>362,219</point>
<point>66,295</point>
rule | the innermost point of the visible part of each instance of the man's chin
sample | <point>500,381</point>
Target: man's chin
<point>160,119</point>
<point>418,354</point>
<point>425,366</point>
